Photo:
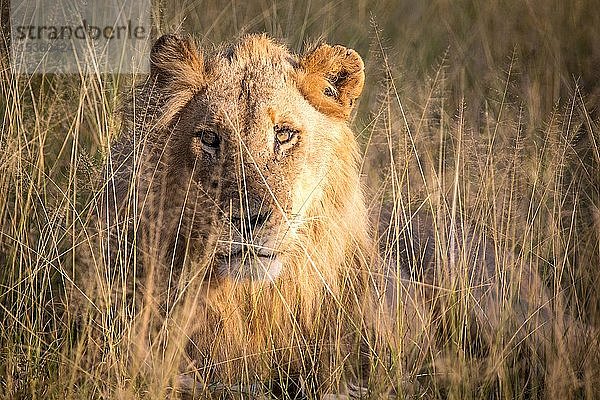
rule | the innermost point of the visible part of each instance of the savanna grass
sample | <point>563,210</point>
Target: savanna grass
<point>473,113</point>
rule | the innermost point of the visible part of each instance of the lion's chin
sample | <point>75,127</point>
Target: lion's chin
<point>254,268</point>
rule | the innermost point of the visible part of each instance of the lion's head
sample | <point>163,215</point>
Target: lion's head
<point>244,157</point>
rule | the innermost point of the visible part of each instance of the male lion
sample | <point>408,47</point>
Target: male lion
<point>233,205</point>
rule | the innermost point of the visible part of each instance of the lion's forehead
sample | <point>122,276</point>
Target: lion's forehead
<point>251,82</point>
<point>255,67</point>
<point>238,97</point>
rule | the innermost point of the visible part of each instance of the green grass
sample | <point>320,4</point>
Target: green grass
<point>480,111</point>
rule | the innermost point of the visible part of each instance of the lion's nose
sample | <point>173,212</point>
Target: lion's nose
<point>249,224</point>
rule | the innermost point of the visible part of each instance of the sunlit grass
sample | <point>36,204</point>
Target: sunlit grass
<point>483,117</point>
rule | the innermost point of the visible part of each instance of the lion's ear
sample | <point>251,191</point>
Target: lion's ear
<point>331,79</point>
<point>175,60</point>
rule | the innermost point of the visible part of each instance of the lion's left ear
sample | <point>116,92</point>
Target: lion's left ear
<point>331,79</point>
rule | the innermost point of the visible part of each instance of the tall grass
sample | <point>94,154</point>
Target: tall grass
<point>473,112</point>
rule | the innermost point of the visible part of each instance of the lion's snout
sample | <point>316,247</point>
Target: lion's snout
<point>251,245</point>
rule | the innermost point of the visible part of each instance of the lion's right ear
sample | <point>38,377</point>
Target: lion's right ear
<point>176,72</point>
<point>175,61</point>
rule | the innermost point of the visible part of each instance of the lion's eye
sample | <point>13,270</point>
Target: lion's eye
<point>284,134</point>
<point>208,138</point>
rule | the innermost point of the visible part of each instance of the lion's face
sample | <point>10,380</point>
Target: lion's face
<point>258,161</point>
<point>254,146</point>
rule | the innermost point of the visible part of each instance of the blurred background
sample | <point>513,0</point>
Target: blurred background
<point>553,41</point>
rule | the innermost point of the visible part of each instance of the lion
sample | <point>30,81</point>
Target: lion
<point>233,199</point>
